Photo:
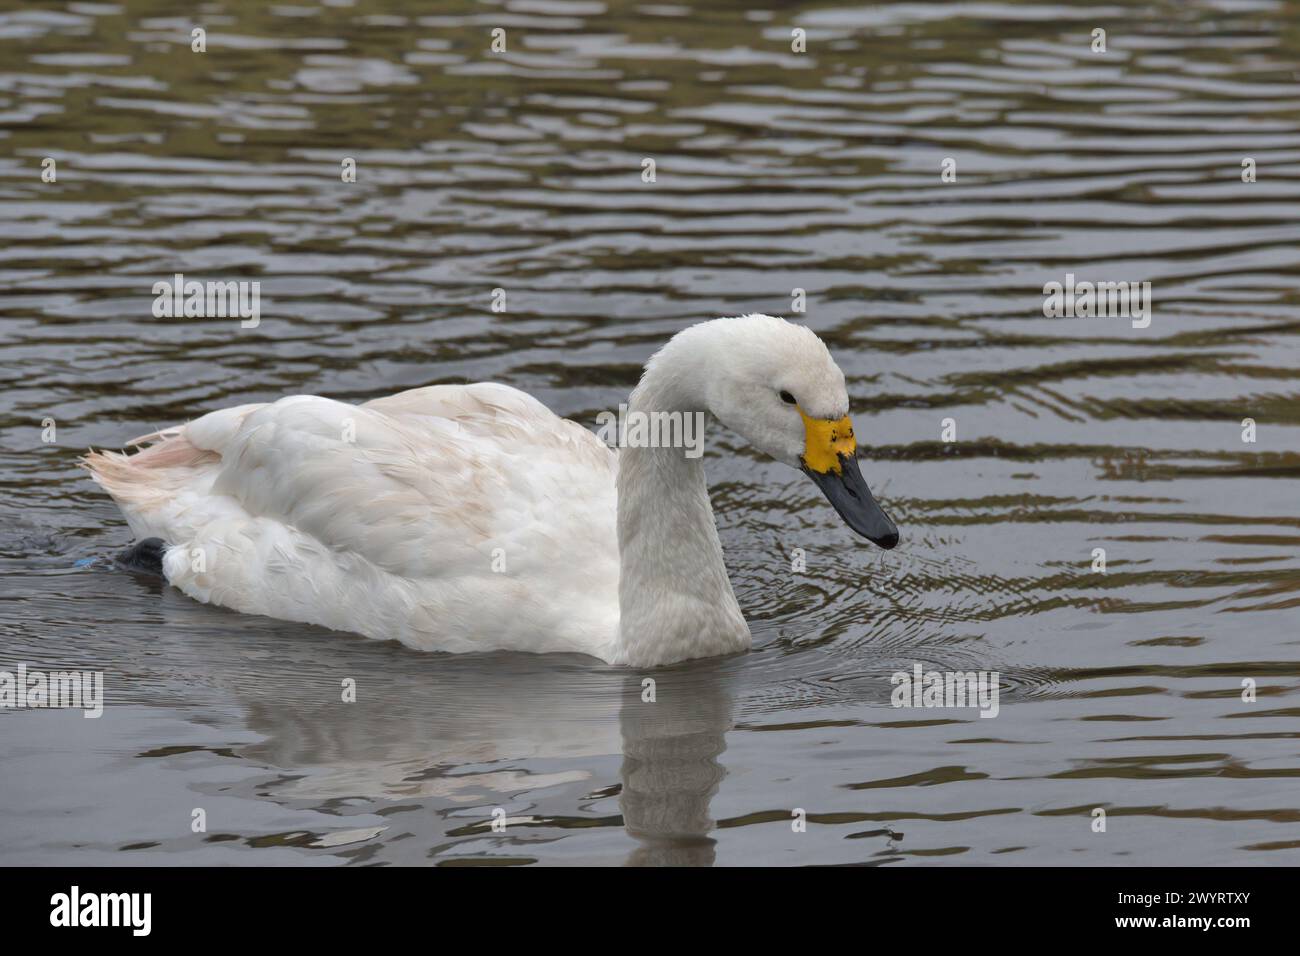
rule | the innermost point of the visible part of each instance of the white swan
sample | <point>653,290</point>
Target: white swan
<point>472,518</point>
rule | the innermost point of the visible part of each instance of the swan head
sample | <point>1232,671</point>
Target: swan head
<point>775,384</point>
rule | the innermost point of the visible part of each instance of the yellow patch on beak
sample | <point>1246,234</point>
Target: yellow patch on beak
<point>825,441</point>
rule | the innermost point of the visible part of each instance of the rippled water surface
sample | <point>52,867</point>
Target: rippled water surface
<point>775,171</point>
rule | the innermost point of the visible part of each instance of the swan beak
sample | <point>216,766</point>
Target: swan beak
<point>830,460</point>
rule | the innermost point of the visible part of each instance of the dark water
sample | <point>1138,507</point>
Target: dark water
<point>775,170</point>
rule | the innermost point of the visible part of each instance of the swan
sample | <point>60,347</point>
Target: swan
<point>472,518</point>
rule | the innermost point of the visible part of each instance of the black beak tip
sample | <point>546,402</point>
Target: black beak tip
<point>888,542</point>
<point>847,491</point>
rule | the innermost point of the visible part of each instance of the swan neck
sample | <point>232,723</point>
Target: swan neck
<point>675,599</point>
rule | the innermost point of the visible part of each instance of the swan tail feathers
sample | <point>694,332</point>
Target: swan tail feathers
<point>158,470</point>
<point>146,484</point>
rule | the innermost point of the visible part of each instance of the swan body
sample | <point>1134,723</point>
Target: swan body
<point>472,518</point>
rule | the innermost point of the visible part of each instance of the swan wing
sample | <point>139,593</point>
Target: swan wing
<point>448,517</point>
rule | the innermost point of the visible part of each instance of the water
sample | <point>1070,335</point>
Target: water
<point>820,171</point>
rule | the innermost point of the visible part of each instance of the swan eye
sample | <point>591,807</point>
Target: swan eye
<point>787,398</point>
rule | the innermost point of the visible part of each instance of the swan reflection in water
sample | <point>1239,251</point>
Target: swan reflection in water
<point>465,735</point>
<point>670,766</point>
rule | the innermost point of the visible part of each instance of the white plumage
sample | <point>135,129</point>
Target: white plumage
<point>472,518</point>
